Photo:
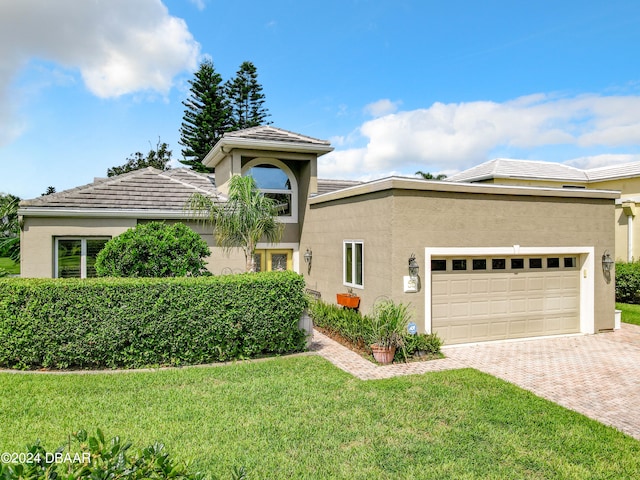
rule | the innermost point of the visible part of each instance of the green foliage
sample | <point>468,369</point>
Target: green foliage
<point>206,117</point>
<point>93,457</point>
<point>135,322</point>
<point>630,313</point>
<point>154,249</point>
<point>628,282</point>
<point>348,323</point>
<point>49,191</point>
<point>158,158</point>
<point>430,176</point>
<point>246,218</point>
<point>9,227</point>
<point>245,97</point>
<point>214,108</point>
<point>389,322</point>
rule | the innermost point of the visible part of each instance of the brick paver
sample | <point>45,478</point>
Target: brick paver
<point>596,375</point>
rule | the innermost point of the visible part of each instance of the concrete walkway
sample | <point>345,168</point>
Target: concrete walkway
<point>596,375</point>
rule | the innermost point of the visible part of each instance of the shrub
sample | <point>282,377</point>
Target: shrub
<point>422,344</point>
<point>628,282</point>
<point>349,324</point>
<point>129,322</point>
<point>93,457</point>
<point>360,331</point>
<point>153,249</point>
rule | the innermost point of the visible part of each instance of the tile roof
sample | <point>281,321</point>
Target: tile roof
<point>266,132</point>
<point>329,185</point>
<point>525,169</point>
<point>612,172</point>
<point>145,189</point>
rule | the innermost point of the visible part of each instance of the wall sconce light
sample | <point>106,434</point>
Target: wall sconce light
<point>607,262</point>
<point>308,256</point>
<point>414,268</point>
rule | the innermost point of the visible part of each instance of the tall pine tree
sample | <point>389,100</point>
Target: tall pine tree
<point>246,100</point>
<point>206,117</point>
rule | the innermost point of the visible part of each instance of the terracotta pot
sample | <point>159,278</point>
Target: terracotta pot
<point>383,355</point>
<point>348,300</point>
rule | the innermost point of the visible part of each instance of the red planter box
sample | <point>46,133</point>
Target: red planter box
<point>348,300</point>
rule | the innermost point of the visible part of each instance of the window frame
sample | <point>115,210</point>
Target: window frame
<point>83,252</point>
<point>354,264</point>
<point>256,162</point>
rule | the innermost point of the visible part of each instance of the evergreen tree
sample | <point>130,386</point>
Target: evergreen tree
<point>158,158</point>
<point>246,99</point>
<point>206,116</point>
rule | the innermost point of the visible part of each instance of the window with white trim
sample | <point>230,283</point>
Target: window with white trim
<point>274,183</point>
<point>353,262</point>
<point>75,257</point>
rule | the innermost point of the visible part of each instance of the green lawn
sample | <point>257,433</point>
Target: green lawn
<point>630,313</point>
<point>9,265</point>
<point>301,417</point>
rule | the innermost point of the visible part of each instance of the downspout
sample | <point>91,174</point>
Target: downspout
<point>629,208</point>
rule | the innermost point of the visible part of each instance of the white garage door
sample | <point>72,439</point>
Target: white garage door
<point>484,298</point>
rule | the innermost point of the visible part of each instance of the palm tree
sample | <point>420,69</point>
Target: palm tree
<point>243,220</point>
<point>429,176</point>
<point>9,227</point>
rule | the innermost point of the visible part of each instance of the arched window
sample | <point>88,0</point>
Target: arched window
<point>276,181</point>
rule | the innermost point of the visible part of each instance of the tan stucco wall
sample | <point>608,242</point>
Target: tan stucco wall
<point>326,228</point>
<point>38,234</point>
<point>393,226</point>
<point>37,241</point>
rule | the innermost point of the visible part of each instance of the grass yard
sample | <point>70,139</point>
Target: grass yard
<point>300,417</point>
<point>630,312</point>
<point>9,265</point>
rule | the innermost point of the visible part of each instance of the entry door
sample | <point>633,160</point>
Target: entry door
<point>268,260</point>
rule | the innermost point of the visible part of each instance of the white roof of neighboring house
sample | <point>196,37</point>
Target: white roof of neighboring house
<point>538,170</point>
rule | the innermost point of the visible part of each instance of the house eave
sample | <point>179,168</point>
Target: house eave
<point>226,145</point>
<point>103,213</point>
<point>401,183</point>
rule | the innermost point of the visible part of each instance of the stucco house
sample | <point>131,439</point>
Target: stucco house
<point>493,261</point>
<point>624,178</point>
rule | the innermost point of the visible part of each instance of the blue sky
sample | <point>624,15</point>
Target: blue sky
<point>396,86</point>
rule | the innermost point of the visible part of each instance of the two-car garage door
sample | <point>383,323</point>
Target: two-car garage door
<point>491,298</point>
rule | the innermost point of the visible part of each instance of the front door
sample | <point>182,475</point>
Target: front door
<point>268,260</point>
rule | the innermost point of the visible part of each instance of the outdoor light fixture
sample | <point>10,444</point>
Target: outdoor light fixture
<point>414,268</point>
<point>308,256</point>
<point>607,262</point>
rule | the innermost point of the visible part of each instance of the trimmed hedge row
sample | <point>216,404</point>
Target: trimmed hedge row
<point>628,282</point>
<point>134,322</point>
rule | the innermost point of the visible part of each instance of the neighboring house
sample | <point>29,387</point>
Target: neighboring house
<point>495,261</point>
<point>624,178</point>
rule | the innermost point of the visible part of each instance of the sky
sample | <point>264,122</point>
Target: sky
<point>396,86</point>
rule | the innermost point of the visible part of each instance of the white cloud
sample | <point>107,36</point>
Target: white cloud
<point>199,4</point>
<point>382,107</point>
<point>450,137</point>
<point>118,46</point>
<point>603,160</point>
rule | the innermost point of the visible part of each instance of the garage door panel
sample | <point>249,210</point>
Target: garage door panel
<point>517,284</point>
<point>480,306</point>
<point>459,287</point>
<point>499,285</point>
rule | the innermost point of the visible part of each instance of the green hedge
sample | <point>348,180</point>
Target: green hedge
<point>134,322</point>
<point>628,282</point>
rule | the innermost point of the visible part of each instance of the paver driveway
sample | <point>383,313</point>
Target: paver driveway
<point>596,375</point>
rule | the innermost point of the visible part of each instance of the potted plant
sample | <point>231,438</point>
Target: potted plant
<point>389,326</point>
<point>348,300</point>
